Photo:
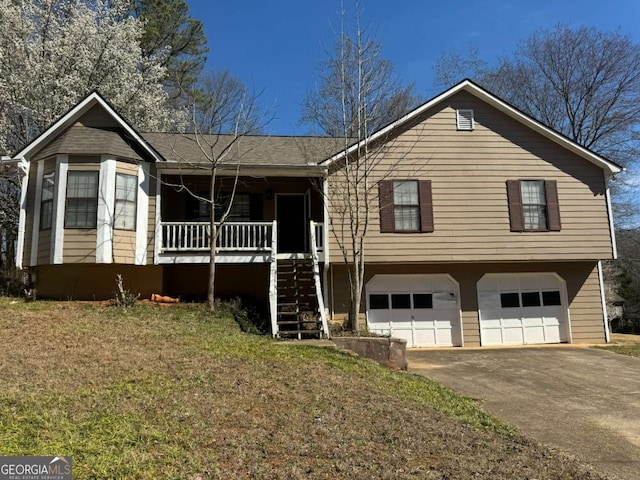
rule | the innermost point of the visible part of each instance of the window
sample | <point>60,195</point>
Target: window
<point>551,298</point>
<point>400,300</point>
<point>46,202</point>
<point>379,301</point>
<point>464,119</point>
<point>530,299</point>
<point>509,300</point>
<point>422,300</point>
<point>533,205</point>
<point>124,217</point>
<point>405,206</point>
<point>82,200</point>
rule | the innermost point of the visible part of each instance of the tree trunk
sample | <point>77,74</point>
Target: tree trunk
<point>355,297</point>
<point>212,247</point>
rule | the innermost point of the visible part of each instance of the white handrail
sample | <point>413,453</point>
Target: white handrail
<point>316,279</point>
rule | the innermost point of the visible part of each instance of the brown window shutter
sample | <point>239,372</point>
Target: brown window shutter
<point>385,197</point>
<point>553,208</point>
<point>426,206</point>
<point>515,206</point>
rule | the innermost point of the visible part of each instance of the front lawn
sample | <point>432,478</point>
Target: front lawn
<point>624,343</point>
<point>174,393</point>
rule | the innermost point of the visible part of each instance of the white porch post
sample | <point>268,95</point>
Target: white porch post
<point>142,214</point>
<point>316,279</point>
<point>106,203</point>
<point>157,241</point>
<point>57,222</point>
<point>273,280</point>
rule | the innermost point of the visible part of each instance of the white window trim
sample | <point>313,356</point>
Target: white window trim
<point>35,233</point>
<point>57,222</point>
<point>106,205</point>
<point>142,214</point>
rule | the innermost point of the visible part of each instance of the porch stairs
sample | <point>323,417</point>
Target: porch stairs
<point>295,292</point>
<point>297,301</point>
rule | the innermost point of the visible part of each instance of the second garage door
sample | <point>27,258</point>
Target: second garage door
<point>422,309</point>
<point>523,308</point>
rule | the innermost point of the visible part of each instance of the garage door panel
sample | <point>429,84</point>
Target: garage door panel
<point>425,338</point>
<point>532,322</point>
<point>433,318</point>
<point>517,310</point>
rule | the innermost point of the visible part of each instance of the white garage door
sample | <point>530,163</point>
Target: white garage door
<point>524,308</point>
<point>422,309</point>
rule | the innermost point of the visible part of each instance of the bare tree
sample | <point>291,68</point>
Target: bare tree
<point>357,95</point>
<point>223,111</point>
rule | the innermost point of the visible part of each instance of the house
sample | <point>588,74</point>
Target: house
<point>490,232</point>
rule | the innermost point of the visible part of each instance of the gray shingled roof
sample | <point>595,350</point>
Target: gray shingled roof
<point>82,140</point>
<point>254,150</point>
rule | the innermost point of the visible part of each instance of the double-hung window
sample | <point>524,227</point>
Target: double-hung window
<point>405,206</point>
<point>46,201</point>
<point>82,200</point>
<point>533,205</point>
<point>125,202</point>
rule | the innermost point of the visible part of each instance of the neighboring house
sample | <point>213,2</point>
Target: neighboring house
<point>490,232</point>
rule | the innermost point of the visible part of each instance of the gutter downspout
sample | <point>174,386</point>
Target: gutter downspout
<point>612,230</point>
<point>607,335</point>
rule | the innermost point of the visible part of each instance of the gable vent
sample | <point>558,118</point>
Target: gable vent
<point>464,119</point>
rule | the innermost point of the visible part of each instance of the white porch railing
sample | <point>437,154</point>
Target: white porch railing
<point>234,236</point>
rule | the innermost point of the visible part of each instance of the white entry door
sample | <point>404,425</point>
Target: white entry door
<point>422,309</point>
<point>522,308</point>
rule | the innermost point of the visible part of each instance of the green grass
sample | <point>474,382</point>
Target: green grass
<point>178,393</point>
<point>624,344</point>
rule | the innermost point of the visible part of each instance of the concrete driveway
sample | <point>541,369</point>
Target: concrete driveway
<point>583,400</point>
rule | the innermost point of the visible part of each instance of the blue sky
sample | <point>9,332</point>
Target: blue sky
<point>274,46</point>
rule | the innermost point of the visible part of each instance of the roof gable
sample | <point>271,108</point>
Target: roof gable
<point>482,94</point>
<point>99,113</point>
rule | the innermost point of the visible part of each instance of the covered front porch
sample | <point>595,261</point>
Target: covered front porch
<point>274,221</point>
<point>268,216</point>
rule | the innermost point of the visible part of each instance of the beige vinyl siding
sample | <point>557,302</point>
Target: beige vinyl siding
<point>124,246</point>
<point>469,170</point>
<point>97,117</point>
<point>587,324</point>
<point>79,245</point>
<point>583,292</point>
<point>128,168</point>
<point>44,241</point>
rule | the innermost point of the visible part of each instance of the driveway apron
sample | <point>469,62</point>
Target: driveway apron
<point>583,400</point>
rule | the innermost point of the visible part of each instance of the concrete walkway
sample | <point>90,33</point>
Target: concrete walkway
<point>583,400</point>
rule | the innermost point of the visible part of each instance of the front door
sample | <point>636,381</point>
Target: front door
<point>291,214</point>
